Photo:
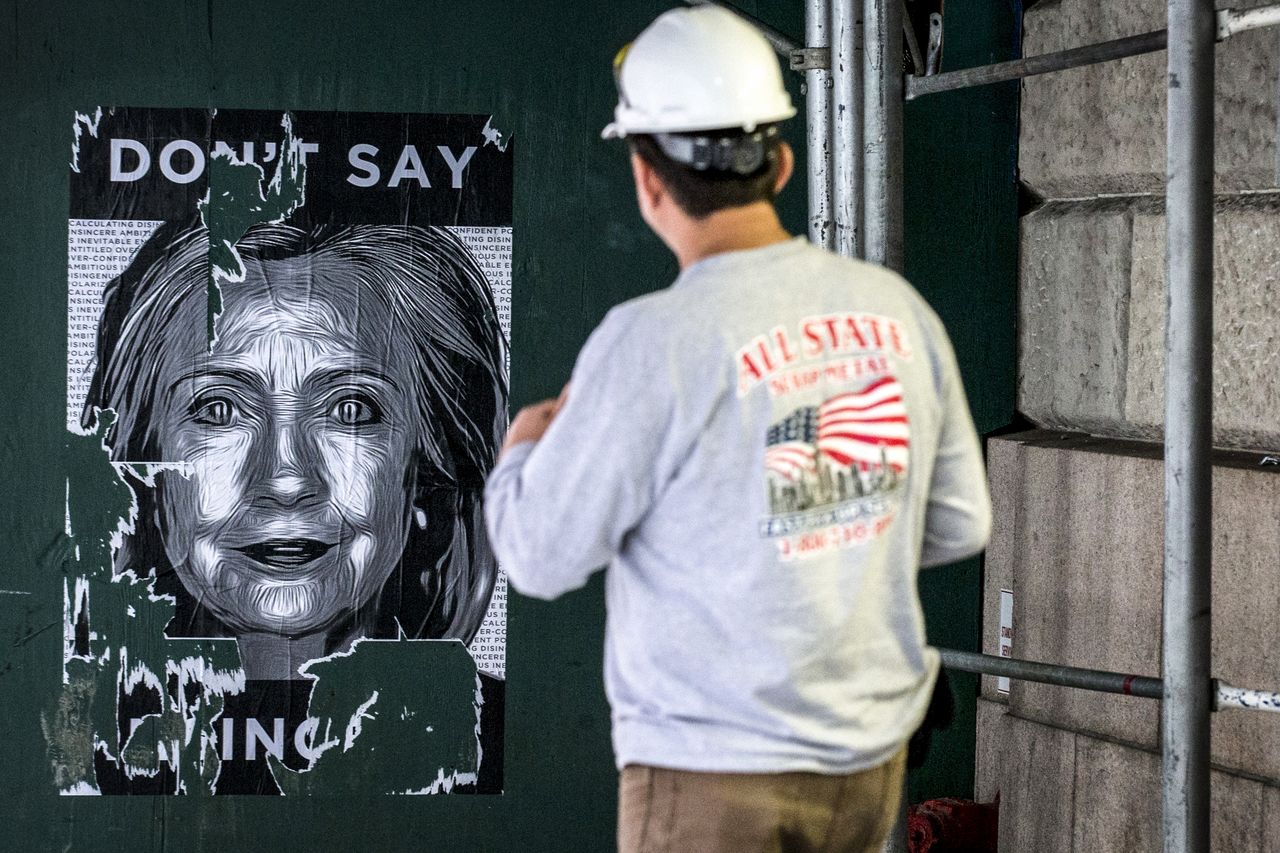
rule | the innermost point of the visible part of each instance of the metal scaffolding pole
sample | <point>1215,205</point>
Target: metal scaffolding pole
<point>1188,428</point>
<point>1225,696</point>
<point>1065,676</point>
<point>846,143</point>
<point>1046,63</point>
<point>1230,22</point>
<point>817,34</point>
<point>882,84</point>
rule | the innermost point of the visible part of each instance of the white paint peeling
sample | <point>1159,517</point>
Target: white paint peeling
<point>139,674</point>
<point>225,152</point>
<point>83,122</point>
<point>208,747</point>
<point>213,682</point>
<point>356,724</point>
<point>1253,700</point>
<point>146,472</point>
<point>478,704</point>
<point>294,157</point>
<point>443,783</point>
<point>305,669</point>
<point>292,160</point>
<point>75,604</point>
<point>81,789</point>
<point>308,745</point>
<point>68,635</point>
<point>493,136</point>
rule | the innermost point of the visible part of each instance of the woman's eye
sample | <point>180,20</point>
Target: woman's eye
<point>353,411</point>
<point>214,411</point>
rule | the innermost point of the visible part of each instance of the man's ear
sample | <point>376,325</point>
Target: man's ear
<point>786,166</point>
<point>650,192</point>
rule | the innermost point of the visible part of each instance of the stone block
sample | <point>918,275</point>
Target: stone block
<point>1236,813</point>
<point>1074,316</point>
<point>1271,820</point>
<point>1091,326</point>
<point>1246,602</point>
<point>1003,466</point>
<point>1246,326</point>
<point>989,755</point>
<point>1118,803</point>
<point>1087,586</point>
<point>1100,129</point>
<point>1035,778</point>
<point>1086,563</point>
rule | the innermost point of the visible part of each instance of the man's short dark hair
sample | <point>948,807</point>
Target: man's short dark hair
<point>699,193</point>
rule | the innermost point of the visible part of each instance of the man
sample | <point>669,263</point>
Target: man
<point>763,454</point>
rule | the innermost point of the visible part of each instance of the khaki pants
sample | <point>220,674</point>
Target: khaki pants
<point>676,811</point>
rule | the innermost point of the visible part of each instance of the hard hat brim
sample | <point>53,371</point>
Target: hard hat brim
<point>618,129</point>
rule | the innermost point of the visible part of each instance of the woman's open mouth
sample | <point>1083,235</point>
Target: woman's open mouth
<point>286,553</point>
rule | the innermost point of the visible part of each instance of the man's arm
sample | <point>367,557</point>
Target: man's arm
<point>958,519</point>
<point>578,474</point>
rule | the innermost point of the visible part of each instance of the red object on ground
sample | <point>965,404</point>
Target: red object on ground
<point>950,825</point>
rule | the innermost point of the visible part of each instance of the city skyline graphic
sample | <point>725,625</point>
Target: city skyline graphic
<point>851,446</point>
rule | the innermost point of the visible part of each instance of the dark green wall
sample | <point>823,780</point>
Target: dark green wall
<point>542,69</point>
<point>961,212</point>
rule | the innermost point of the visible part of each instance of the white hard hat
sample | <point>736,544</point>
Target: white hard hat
<point>697,69</point>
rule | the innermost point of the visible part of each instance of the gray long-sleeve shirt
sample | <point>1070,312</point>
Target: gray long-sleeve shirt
<point>764,454</point>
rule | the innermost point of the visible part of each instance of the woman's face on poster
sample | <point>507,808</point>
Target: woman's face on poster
<point>298,432</point>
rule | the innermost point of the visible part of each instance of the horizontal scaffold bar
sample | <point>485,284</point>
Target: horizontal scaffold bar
<point>1016,69</point>
<point>1229,21</point>
<point>1046,673</point>
<point>1225,695</point>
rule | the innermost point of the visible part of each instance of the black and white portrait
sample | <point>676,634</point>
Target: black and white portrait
<point>287,382</point>
<point>328,446</point>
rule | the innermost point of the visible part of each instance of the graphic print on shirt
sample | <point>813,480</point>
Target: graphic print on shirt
<point>839,447</point>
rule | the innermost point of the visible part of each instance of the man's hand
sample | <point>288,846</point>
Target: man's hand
<point>533,420</point>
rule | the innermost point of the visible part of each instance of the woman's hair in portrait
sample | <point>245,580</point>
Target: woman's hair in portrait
<point>442,322</point>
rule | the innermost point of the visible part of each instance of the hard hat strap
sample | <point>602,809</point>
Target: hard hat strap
<point>742,155</point>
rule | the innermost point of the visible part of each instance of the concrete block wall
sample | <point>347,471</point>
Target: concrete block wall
<point>1092,145</point>
<point>1082,555</point>
<point>1065,792</point>
<point>1078,532</point>
<point>1091,318</point>
<point>1100,130</point>
<point>1078,540</point>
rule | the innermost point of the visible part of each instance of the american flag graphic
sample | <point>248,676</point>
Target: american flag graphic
<point>864,429</point>
<point>790,444</point>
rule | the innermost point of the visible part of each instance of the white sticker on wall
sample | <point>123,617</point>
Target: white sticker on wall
<point>1005,643</point>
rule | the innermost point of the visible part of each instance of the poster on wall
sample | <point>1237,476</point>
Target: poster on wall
<point>286,381</point>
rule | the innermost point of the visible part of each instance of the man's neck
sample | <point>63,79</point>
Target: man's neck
<point>730,230</point>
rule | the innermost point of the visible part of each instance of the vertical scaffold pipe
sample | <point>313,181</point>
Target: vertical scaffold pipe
<point>846,126</point>
<point>882,84</point>
<point>817,33</point>
<point>1188,428</point>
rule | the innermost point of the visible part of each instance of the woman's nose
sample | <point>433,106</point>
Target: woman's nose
<point>289,469</point>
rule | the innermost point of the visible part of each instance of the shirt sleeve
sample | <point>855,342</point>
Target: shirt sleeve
<point>559,509</point>
<point>958,515</point>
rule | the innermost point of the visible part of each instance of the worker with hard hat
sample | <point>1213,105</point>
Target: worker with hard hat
<point>763,454</point>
